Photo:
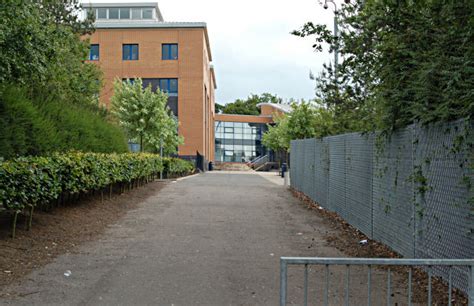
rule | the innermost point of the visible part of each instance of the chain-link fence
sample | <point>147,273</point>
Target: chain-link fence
<point>411,190</point>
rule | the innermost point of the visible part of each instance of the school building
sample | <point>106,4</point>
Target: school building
<point>132,40</point>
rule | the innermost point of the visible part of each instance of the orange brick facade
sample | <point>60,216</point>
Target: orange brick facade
<point>196,80</point>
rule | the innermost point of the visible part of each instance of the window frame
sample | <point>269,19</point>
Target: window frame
<point>98,52</point>
<point>168,86</point>
<point>118,13</point>
<point>130,50</point>
<point>124,9</point>
<point>166,52</point>
<point>97,16</point>
<point>147,9</point>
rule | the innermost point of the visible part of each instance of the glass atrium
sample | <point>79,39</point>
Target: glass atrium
<point>238,141</point>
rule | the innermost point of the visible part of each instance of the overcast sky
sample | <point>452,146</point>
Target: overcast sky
<point>252,48</point>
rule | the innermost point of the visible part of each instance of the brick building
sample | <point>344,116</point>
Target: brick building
<point>133,41</point>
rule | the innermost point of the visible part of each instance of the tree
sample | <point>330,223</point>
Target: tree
<point>403,61</point>
<point>306,120</point>
<point>249,105</point>
<point>219,108</point>
<point>42,50</point>
<point>276,138</point>
<point>48,92</point>
<point>145,116</point>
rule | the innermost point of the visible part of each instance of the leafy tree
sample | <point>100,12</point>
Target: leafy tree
<point>306,120</point>
<point>276,138</point>
<point>403,61</point>
<point>249,105</point>
<point>145,116</point>
<point>219,108</point>
<point>42,50</point>
<point>48,92</point>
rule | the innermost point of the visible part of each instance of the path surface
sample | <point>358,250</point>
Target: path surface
<point>211,239</point>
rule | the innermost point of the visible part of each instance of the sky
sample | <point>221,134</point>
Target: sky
<point>252,48</point>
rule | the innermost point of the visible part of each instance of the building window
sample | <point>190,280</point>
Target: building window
<point>130,52</point>
<point>124,13</point>
<point>136,13</point>
<point>102,13</point>
<point>170,86</point>
<point>147,13</point>
<point>238,141</point>
<point>169,52</point>
<point>113,13</point>
<point>94,53</point>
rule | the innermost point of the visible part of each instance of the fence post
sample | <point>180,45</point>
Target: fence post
<point>471,285</point>
<point>283,278</point>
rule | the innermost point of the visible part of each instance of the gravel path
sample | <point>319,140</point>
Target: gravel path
<point>210,239</point>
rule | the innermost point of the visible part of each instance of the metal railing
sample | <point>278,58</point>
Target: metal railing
<point>259,161</point>
<point>369,263</point>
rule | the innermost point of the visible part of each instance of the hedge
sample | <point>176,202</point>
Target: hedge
<point>30,127</point>
<point>42,182</point>
<point>177,167</point>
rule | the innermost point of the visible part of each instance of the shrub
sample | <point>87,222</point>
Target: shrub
<point>177,167</point>
<point>37,128</point>
<point>42,182</point>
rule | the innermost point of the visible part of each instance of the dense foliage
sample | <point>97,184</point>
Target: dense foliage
<point>177,167</point>
<point>249,105</point>
<point>306,120</point>
<point>145,116</point>
<point>28,128</point>
<point>36,181</point>
<point>42,50</point>
<point>403,61</point>
<point>48,92</point>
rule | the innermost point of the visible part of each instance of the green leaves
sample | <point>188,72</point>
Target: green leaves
<point>249,105</point>
<point>145,117</point>
<point>41,49</point>
<point>39,180</point>
<point>306,120</point>
<point>401,62</point>
<point>176,166</point>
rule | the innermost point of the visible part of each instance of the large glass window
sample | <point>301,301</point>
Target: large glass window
<point>147,13</point>
<point>136,13</point>
<point>169,51</point>
<point>113,13</point>
<point>102,13</point>
<point>124,13</point>
<point>130,52</point>
<point>94,53</point>
<point>169,86</point>
<point>236,141</point>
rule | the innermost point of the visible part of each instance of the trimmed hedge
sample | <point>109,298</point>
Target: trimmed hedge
<point>177,167</point>
<point>41,182</point>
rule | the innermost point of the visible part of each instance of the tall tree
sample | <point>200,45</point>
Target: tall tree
<point>145,116</point>
<point>41,49</point>
<point>403,61</point>
<point>306,120</point>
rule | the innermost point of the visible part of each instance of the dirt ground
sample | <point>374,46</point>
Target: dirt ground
<point>61,230</point>
<point>347,241</point>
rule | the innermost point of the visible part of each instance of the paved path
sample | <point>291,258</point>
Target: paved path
<point>211,239</point>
